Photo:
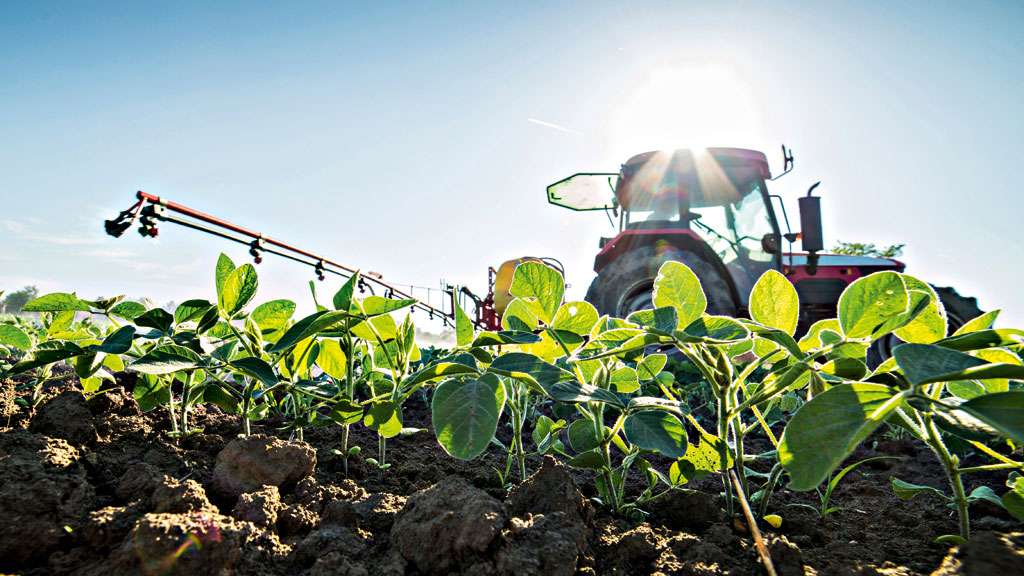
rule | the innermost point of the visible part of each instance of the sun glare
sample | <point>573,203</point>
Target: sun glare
<point>686,106</point>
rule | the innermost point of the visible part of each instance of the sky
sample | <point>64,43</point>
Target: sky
<point>416,139</point>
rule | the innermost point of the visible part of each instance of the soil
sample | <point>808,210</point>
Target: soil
<point>97,487</point>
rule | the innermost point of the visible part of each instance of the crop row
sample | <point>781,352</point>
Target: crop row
<point>603,380</point>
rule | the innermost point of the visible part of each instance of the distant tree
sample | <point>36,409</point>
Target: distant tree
<point>858,249</point>
<point>16,300</point>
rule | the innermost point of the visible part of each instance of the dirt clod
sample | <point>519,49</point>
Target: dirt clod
<point>180,497</point>
<point>7,404</point>
<point>986,553</point>
<point>447,527</point>
<point>66,416</point>
<point>247,464</point>
<point>259,507</point>
<point>550,489</point>
<point>686,510</point>
<point>786,557</point>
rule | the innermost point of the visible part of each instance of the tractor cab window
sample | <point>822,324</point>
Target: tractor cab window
<point>734,231</point>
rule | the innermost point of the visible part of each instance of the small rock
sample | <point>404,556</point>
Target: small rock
<point>247,464</point>
<point>550,489</point>
<point>66,416</point>
<point>179,544</point>
<point>115,401</point>
<point>260,507</point>
<point>180,497</point>
<point>446,527</point>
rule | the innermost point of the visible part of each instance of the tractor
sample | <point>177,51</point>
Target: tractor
<point>711,210</point>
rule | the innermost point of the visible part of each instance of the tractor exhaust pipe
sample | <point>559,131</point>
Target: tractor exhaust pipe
<point>810,228</point>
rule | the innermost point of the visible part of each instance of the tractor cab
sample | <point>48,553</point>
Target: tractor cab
<point>710,203</point>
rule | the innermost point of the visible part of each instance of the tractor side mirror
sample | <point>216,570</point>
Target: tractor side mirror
<point>810,228</point>
<point>770,243</point>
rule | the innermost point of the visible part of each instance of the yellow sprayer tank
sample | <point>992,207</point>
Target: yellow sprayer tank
<point>503,280</point>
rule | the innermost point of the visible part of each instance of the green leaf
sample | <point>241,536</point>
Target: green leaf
<point>650,402</point>
<point>465,414</point>
<point>906,490</point>
<point>224,269</point>
<point>377,305</point>
<point>983,322</point>
<point>156,318</point>
<point>463,326</point>
<point>119,342</point>
<point>651,366</point>
<point>779,337</point>
<point>519,317</point>
<point>256,368</point>
<point>1003,411</point>
<point>576,317</point>
<point>343,298</point>
<point>541,283</point>
<point>217,396</point>
<point>664,320</point>
<point>717,329</point>
<point>103,303</point>
<point>273,315</point>
<point>581,435</point>
<point>128,310</point>
<point>931,324</point>
<point>237,290</point>
<point>774,302</point>
<point>825,430</point>
<point>307,327</point>
<point>166,359</point>
<point>46,353</point>
<point>191,310</point>
<point>530,369</point>
<point>347,412</point>
<point>591,460</point>
<point>332,359</point>
<point>56,302</point>
<point>384,418</point>
<point>1013,500</point>
<point>874,305</point>
<point>658,431</point>
<point>983,339</point>
<point>623,380</point>
<point>677,286</point>
<point>574,392</point>
<point>440,370</point>
<point>505,337</point>
<point>151,392</point>
<point>710,456</point>
<point>14,336</point>
<point>926,363</point>
<point>59,322</point>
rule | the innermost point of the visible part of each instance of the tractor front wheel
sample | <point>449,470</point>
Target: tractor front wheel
<point>626,284</point>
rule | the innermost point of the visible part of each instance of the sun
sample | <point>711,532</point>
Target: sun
<point>686,106</point>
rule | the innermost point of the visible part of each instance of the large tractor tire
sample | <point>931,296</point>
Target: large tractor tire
<point>625,285</point>
<point>959,311</point>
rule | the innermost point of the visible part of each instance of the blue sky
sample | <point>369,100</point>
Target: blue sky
<point>403,138</point>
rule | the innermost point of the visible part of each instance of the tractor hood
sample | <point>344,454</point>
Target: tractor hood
<point>845,261</point>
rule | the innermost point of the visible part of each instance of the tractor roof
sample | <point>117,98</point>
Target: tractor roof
<point>706,177</point>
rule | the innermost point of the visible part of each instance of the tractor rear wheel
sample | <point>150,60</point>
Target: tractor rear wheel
<point>626,284</point>
<point>959,311</point>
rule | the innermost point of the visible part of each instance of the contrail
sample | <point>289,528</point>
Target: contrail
<point>550,125</point>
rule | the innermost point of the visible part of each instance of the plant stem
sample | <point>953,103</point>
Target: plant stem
<point>381,452</point>
<point>344,449</point>
<point>723,434</point>
<point>949,464</point>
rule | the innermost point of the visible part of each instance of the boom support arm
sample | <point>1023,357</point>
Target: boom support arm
<point>150,209</point>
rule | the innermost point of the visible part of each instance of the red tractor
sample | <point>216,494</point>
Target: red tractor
<point>711,210</point>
